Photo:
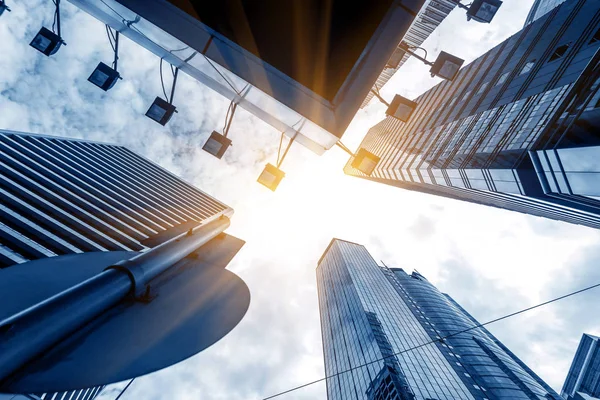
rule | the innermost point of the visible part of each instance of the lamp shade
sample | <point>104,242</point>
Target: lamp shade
<point>446,66</point>
<point>483,10</point>
<point>365,161</point>
<point>271,177</point>
<point>161,111</point>
<point>217,144</point>
<point>401,108</point>
<point>104,77</point>
<point>46,42</point>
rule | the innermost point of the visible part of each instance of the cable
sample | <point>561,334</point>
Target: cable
<point>435,341</point>
<point>110,37</point>
<point>162,82</point>
<point>55,16</point>
<point>124,389</point>
<point>280,143</point>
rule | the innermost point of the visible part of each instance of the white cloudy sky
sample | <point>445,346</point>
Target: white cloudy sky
<point>491,261</point>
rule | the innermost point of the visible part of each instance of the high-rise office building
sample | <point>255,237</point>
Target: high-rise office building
<point>379,323</point>
<point>540,8</point>
<point>429,18</point>
<point>303,66</point>
<point>63,196</point>
<point>584,374</point>
<point>516,129</point>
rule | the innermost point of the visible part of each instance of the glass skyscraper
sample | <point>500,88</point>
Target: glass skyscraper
<point>429,18</point>
<point>540,8</point>
<point>377,322</point>
<point>517,128</point>
<point>584,374</point>
<point>64,196</point>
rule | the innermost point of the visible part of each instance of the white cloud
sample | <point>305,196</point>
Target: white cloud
<point>491,261</point>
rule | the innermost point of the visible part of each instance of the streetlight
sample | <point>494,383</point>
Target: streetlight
<point>3,7</point>
<point>446,65</point>
<point>48,41</point>
<point>272,175</point>
<point>363,160</point>
<point>400,108</point>
<point>217,144</point>
<point>481,10</point>
<point>162,110</point>
<point>104,76</point>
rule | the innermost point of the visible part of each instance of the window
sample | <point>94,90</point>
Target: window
<point>482,87</point>
<point>595,38</point>
<point>502,78</point>
<point>559,52</point>
<point>528,67</point>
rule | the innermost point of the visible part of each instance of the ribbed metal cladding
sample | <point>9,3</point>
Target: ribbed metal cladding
<point>62,196</point>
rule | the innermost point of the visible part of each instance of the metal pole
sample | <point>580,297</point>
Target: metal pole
<point>29,333</point>
<point>343,147</point>
<point>380,98</point>
<point>58,18</point>
<point>459,4</point>
<point>415,55</point>
<point>116,50</point>
<point>173,87</point>
<point>287,149</point>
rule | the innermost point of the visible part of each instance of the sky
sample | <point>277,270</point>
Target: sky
<point>490,261</point>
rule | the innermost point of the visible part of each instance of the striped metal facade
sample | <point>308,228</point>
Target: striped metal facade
<point>429,18</point>
<point>509,130</point>
<point>62,196</point>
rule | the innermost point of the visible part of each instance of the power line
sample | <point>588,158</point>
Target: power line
<point>124,389</point>
<point>434,341</point>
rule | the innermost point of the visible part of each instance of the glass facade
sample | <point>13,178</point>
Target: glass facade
<point>370,312</point>
<point>541,8</point>
<point>429,18</point>
<point>65,196</point>
<point>584,374</point>
<point>499,133</point>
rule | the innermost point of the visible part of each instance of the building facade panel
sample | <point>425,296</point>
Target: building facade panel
<point>391,335</point>
<point>584,374</point>
<point>479,137</point>
<point>64,196</point>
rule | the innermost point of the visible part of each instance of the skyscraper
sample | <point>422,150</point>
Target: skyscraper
<point>516,129</point>
<point>303,66</point>
<point>429,18</point>
<point>63,196</point>
<point>378,323</point>
<point>584,374</point>
<point>540,8</point>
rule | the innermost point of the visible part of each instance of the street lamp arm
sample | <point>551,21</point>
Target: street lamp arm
<point>343,147</point>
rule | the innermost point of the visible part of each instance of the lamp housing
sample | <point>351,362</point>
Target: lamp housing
<point>401,108</point>
<point>217,144</point>
<point>483,10</point>
<point>3,7</point>
<point>446,66</point>
<point>365,161</point>
<point>396,58</point>
<point>104,76</point>
<point>271,177</point>
<point>46,42</point>
<point>161,111</point>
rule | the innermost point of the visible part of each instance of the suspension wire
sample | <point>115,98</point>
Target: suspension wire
<point>55,16</point>
<point>435,341</point>
<point>280,143</point>
<point>162,82</point>
<point>124,389</point>
<point>110,37</point>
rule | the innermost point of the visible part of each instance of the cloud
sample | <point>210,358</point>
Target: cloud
<point>491,261</point>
